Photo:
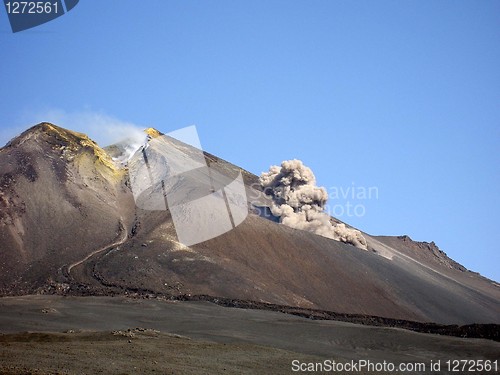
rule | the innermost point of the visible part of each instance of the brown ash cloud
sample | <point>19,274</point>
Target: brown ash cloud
<point>300,203</point>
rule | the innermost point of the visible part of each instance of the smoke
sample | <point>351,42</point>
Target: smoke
<point>300,204</point>
<point>102,128</point>
<point>128,149</point>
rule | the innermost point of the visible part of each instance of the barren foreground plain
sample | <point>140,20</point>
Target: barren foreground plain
<point>119,335</point>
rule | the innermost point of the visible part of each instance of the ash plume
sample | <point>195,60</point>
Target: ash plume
<point>300,204</point>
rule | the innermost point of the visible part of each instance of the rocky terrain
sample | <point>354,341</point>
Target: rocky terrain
<point>82,335</point>
<point>69,226</point>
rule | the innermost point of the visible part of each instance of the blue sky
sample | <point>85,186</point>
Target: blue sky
<point>403,96</point>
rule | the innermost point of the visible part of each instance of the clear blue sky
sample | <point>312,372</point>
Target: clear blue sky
<point>399,95</point>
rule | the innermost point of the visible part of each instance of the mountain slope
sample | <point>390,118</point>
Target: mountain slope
<point>69,224</point>
<point>59,199</point>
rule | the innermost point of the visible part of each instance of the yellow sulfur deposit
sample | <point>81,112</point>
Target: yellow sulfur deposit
<point>153,133</point>
<point>74,141</point>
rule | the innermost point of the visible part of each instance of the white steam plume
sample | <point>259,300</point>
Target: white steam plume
<point>100,127</point>
<point>300,203</point>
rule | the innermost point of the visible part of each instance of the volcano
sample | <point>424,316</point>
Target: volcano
<point>69,225</point>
